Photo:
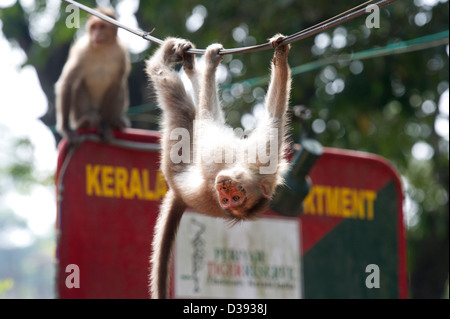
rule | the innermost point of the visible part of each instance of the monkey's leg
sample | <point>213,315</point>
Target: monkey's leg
<point>166,227</point>
<point>83,114</point>
<point>189,66</point>
<point>209,104</point>
<point>280,81</point>
<point>171,95</point>
<point>114,104</point>
<point>178,108</point>
<point>112,110</point>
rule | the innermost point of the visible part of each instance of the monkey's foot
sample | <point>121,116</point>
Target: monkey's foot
<point>90,119</point>
<point>212,56</point>
<point>71,137</point>
<point>106,134</point>
<point>120,123</point>
<point>188,58</point>
<point>174,51</point>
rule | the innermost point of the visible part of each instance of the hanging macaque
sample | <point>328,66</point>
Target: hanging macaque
<point>207,166</point>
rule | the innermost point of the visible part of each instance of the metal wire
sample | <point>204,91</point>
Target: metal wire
<point>320,27</point>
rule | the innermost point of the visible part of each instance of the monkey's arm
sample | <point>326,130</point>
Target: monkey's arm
<point>280,81</point>
<point>209,104</point>
<point>64,98</point>
<point>166,227</point>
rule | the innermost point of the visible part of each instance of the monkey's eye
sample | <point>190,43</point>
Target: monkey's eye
<point>225,200</point>
<point>236,198</point>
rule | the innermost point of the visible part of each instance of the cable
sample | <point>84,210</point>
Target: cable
<point>142,34</point>
<point>421,43</point>
<point>320,27</point>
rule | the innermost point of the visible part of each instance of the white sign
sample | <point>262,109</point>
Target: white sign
<point>252,259</point>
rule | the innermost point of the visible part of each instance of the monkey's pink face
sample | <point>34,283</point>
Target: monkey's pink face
<point>239,194</point>
<point>101,33</point>
<point>231,195</point>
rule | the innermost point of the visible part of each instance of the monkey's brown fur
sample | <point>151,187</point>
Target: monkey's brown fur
<point>92,91</point>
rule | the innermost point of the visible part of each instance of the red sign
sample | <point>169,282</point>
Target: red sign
<point>108,202</point>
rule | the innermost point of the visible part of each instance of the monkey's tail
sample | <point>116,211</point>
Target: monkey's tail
<point>172,208</point>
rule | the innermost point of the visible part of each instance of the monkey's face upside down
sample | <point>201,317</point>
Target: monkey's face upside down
<point>231,195</point>
<point>239,195</point>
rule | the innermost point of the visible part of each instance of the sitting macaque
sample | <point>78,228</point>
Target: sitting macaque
<point>92,91</point>
<point>207,166</point>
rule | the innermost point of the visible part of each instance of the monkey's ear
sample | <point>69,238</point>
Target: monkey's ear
<point>266,189</point>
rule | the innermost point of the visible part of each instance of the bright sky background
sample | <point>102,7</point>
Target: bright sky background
<point>22,102</point>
